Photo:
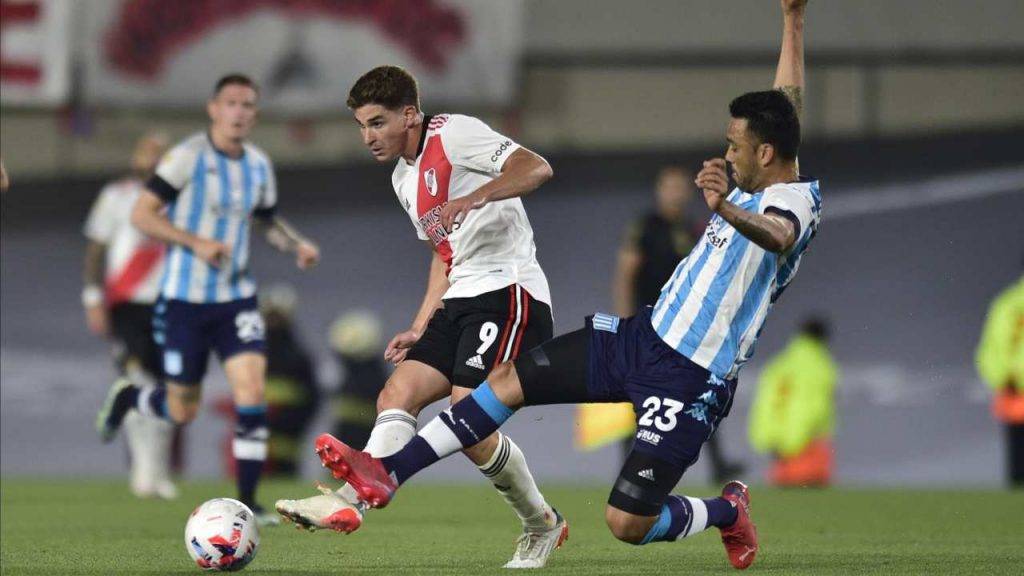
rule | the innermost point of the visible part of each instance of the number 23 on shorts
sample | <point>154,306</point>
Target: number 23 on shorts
<point>661,413</point>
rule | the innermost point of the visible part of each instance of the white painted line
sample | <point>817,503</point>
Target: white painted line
<point>931,192</point>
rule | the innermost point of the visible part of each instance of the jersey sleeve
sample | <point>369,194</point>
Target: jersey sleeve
<point>266,205</point>
<point>100,225</point>
<point>470,143</point>
<point>792,203</point>
<point>172,173</point>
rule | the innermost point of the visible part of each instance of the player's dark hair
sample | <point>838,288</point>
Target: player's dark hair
<point>816,327</point>
<point>389,86</point>
<point>234,79</point>
<point>771,116</point>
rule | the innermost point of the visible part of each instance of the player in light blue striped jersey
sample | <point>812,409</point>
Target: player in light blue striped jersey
<point>207,193</point>
<point>678,362</point>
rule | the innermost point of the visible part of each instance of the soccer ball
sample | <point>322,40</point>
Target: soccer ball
<point>221,535</point>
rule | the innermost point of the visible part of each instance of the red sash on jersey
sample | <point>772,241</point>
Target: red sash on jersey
<point>432,194</point>
<point>121,287</point>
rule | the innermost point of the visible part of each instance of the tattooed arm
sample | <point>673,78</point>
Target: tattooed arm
<point>789,75</point>
<point>772,232</point>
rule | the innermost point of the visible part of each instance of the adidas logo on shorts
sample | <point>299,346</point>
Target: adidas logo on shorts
<point>476,362</point>
<point>647,474</point>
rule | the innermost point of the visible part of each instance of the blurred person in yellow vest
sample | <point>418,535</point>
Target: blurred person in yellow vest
<point>292,394</point>
<point>652,247</point>
<point>356,340</point>
<point>793,415</point>
<point>1000,362</point>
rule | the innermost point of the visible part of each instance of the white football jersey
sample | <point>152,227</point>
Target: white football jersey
<point>493,247</point>
<point>133,260</point>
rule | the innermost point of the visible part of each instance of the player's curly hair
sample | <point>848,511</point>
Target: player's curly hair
<point>390,86</point>
<point>771,116</point>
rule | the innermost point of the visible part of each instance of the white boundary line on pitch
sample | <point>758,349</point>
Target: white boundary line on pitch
<point>931,192</point>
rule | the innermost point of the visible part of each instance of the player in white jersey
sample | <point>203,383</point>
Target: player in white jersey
<point>678,363</point>
<point>460,183</point>
<point>206,193</point>
<point>122,278</point>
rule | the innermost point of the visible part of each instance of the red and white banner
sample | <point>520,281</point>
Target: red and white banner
<point>304,53</point>
<point>34,52</point>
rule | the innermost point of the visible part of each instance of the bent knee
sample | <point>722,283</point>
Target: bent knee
<point>182,412</point>
<point>626,527</point>
<point>504,382</point>
<point>501,374</point>
<point>398,394</point>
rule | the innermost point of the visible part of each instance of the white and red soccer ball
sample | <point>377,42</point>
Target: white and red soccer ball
<point>221,535</point>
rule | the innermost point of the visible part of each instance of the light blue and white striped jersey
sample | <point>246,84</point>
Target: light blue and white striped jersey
<point>713,307</point>
<point>212,196</point>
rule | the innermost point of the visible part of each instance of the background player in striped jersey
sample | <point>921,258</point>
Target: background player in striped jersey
<point>677,363</point>
<point>122,279</point>
<point>487,297</point>
<point>201,202</point>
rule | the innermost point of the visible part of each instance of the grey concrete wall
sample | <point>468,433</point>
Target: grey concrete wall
<point>570,26</point>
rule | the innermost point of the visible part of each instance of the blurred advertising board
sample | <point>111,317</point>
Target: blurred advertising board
<point>304,53</point>
<point>34,52</point>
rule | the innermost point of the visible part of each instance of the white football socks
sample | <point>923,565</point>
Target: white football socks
<point>149,443</point>
<point>698,519</point>
<point>508,471</point>
<point>393,429</point>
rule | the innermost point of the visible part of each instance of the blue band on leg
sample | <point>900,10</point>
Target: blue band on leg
<point>660,528</point>
<point>485,397</point>
<point>251,410</point>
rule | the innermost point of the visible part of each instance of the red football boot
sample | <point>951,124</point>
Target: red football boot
<point>740,539</point>
<point>365,473</point>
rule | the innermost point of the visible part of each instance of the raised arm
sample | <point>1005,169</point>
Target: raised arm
<point>789,75</point>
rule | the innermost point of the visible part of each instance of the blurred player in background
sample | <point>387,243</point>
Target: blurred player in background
<point>656,241</point>
<point>201,201</point>
<point>487,298</point>
<point>122,277</point>
<point>356,340</point>
<point>1000,362</point>
<point>678,362</point>
<point>293,396</point>
<point>793,414</point>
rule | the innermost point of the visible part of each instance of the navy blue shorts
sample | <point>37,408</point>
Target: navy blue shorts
<point>678,403</point>
<point>187,332</point>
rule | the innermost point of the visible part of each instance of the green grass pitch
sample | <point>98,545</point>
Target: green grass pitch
<point>96,527</point>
